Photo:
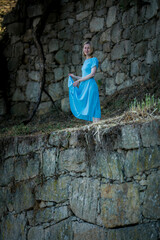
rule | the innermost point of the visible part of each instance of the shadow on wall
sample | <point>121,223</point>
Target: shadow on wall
<point>4,85</point>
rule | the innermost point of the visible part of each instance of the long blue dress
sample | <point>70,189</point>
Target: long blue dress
<point>84,101</point>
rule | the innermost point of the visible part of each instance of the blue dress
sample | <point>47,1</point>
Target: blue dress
<point>84,101</point>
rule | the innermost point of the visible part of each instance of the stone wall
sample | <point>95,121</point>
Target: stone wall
<point>126,43</point>
<point>98,183</point>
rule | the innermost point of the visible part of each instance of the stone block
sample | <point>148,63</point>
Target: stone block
<point>106,66</point>
<point>73,160</point>
<point>19,109</point>
<point>108,165</point>
<point>49,161</point>
<point>54,190</point>
<point>151,207</point>
<point>125,84</point>
<point>44,107</point>
<point>35,10</point>
<point>120,77</point>
<point>106,36</point>
<point>84,195</point>
<point>60,57</point>
<point>141,160</point>
<point>110,86</point>
<point>18,95</point>
<point>118,51</point>
<point>141,49</point>
<point>96,24</point>
<point>120,205</point>
<point>23,197</point>
<point>65,105</point>
<point>27,167</point>
<point>6,171</point>
<point>13,227</point>
<point>144,231</point>
<point>149,30</point>
<point>56,91</point>
<point>3,205</point>
<point>111,17</point>
<point>58,72</point>
<point>16,28</point>
<point>28,144</point>
<point>61,230</point>
<point>137,34</point>
<point>130,137</point>
<point>36,232</point>
<point>150,133</point>
<point>100,55</point>
<point>116,33</point>
<point>21,78</point>
<point>149,57</point>
<point>76,59</point>
<point>34,75</point>
<point>86,231</point>
<point>152,9</point>
<point>32,91</point>
<point>82,15</point>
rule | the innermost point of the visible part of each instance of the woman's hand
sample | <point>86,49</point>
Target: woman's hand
<point>76,83</point>
<point>72,75</point>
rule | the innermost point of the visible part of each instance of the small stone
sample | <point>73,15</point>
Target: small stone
<point>60,57</point>
<point>49,162</point>
<point>82,15</point>
<point>120,77</point>
<point>110,86</point>
<point>55,90</point>
<point>32,91</point>
<point>58,73</point>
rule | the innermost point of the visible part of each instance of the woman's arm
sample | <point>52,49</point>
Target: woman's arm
<point>81,79</point>
<point>73,76</point>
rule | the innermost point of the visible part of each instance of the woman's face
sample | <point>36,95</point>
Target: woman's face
<point>87,49</point>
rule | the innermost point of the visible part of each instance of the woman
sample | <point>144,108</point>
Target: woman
<point>83,93</point>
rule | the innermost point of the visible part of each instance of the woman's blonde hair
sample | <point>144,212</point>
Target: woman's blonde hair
<point>91,47</point>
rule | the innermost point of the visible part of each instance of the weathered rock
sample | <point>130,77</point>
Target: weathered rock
<point>34,10</point>
<point>44,107</point>
<point>49,161</point>
<point>18,95</point>
<point>23,198</point>
<point>27,167</point>
<point>130,137</point>
<point>110,86</point>
<point>76,58</point>
<point>152,9</point>
<point>116,33</point>
<point>21,78</point>
<point>56,91</point>
<point>151,207</point>
<point>96,24</point>
<point>19,109</point>
<point>111,17</point>
<point>61,230</point>
<point>141,160</point>
<point>54,190</point>
<point>36,232</point>
<point>60,57</point>
<point>73,160</point>
<point>13,227</point>
<point>58,73</point>
<point>6,171</point>
<point>30,144</point>
<point>120,77</point>
<point>65,105</point>
<point>15,28</point>
<point>106,36</point>
<point>34,75</point>
<point>106,65</point>
<point>3,205</point>
<point>120,205</point>
<point>32,91</point>
<point>150,133</point>
<point>100,55</point>
<point>108,165</point>
<point>86,231</point>
<point>84,195</point>
<point>144,231</point>
<point>83,15</point>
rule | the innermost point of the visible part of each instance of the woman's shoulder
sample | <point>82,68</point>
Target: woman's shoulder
<point>94,59</point>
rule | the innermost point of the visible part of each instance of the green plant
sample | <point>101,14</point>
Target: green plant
<point>149,104</point>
